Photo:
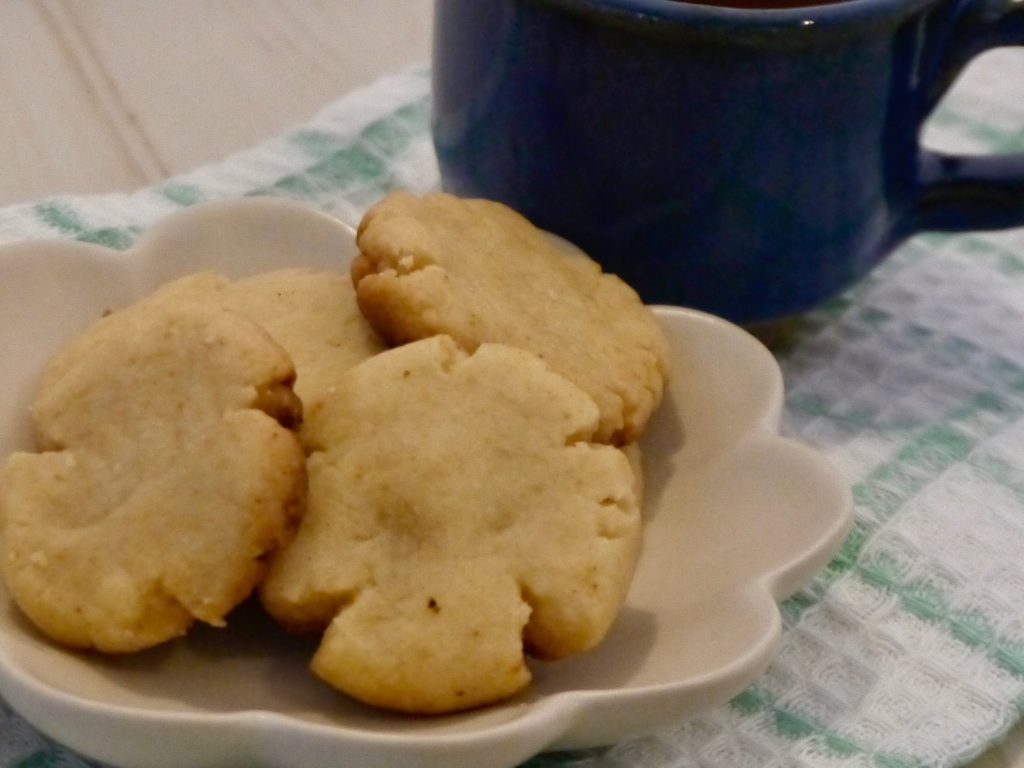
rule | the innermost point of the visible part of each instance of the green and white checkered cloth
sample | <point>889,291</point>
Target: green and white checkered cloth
<point>909,649</point>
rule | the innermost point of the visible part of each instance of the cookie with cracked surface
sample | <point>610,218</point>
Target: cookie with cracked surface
<point>479,272</point>
<point>164,476</point>
<point>312,313</point>
<point>459,513</point>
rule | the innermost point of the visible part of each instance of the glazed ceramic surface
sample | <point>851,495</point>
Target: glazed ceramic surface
<point>747,162</point>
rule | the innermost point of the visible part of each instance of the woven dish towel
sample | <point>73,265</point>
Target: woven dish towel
<point>908,650</point>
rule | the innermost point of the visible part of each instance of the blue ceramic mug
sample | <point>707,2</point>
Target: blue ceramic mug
<point>748,162</point>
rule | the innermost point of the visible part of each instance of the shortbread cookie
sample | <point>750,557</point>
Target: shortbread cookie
<point>479,272</point>
<point>312,313</point>
<point>314,316</point>
<point>196,287</point>
<point>164,480</point>
<point>456,512</point>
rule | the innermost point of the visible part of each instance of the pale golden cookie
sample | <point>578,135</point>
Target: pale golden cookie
<point>457,511</point>
<point>314,316</point>
<point>165,479</point>
<point>311,313</point>
<point>479,272</point>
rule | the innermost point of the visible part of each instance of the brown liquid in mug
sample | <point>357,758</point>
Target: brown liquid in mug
<point>763,4</point>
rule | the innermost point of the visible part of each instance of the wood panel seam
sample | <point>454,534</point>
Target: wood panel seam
<point>82,54</point>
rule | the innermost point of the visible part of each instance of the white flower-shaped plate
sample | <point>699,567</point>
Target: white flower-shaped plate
<point>736,519</point>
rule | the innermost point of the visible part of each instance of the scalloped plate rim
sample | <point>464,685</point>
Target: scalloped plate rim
<point>547,723</point>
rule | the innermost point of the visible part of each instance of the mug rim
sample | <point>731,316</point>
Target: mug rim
<point>838,13</point>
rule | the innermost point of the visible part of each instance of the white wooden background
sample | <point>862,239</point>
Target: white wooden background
<point>103,95</point>
<point>111,95</point>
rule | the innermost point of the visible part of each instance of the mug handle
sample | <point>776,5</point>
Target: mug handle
<point>959,193</point>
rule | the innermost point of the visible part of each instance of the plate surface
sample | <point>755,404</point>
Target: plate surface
<point>736,518</point>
